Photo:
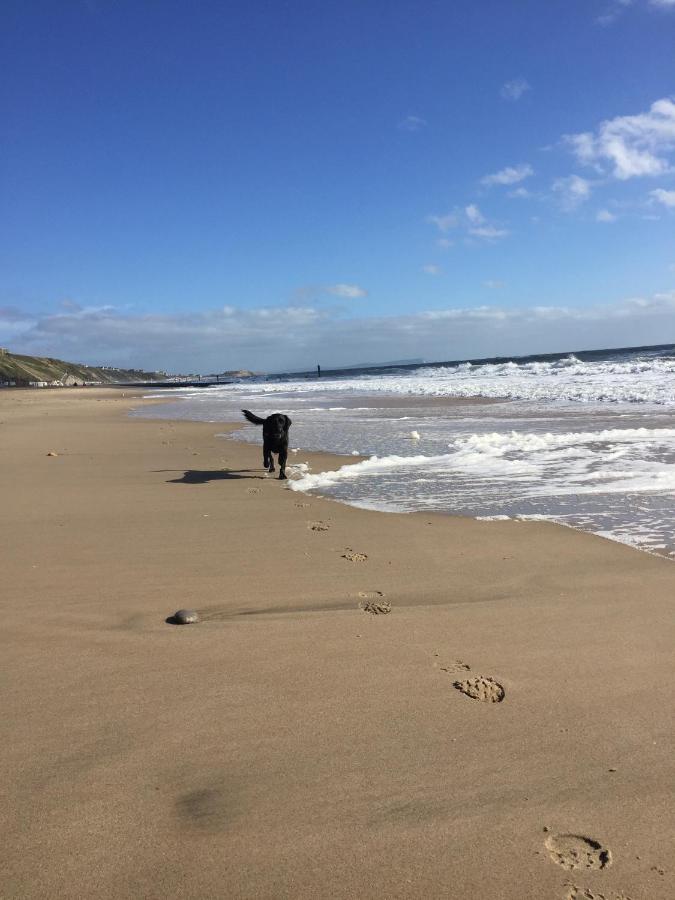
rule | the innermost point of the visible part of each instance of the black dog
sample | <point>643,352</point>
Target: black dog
<point>275,439</point>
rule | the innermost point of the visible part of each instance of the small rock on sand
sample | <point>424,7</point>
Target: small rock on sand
<point>52,453</point>
<point>185,617</point>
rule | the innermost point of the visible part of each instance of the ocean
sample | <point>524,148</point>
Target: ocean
<point>586,440</point>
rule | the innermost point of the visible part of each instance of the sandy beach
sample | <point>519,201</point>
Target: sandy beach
<point>293,744</point>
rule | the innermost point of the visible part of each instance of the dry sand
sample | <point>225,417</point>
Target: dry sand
<point>293,745</point>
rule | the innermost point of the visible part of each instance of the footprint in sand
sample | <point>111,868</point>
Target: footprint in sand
<point>481,687</point>
<point>456,667</point>
<point>353,556</point>
<point>373,602</point>
<point>252,490</point>
<point>318,526</point>
<point>574,892</point>
<point>575,851</point>
<point>302,505</point>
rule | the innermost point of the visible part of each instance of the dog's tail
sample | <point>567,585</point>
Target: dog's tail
<point>256,420</point>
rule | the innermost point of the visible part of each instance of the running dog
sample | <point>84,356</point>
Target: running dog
<point>275,439</point>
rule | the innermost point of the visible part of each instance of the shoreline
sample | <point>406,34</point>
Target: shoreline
<point>418,401</point>
<point>291,744</point>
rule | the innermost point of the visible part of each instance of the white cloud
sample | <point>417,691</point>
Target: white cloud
<point>519,193</point>
<point>412,123</point>
<point>70,305</point>
<point>489,232</point>
<point>493,284</point>
<point>509,175</point>
<point>631,145</point>
<point>604,215</point>
<point>474,215</point>
<point>572,191</point>
<point>472,221</point>
<point>308,294</point>
<point>444,243</point>
<point>444,222</point>
<point>615,8</point>
<point>283,338</point>
<point>348,291</point>
<point>613,11</point>
<point>431,269</point>
<point>514,89</point>
<point>667,198</point>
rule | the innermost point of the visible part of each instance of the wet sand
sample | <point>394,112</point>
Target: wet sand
<point>504,732</point>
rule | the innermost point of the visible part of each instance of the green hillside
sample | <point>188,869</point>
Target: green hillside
<point>24,370</point>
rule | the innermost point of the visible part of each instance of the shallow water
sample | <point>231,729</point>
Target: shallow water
<point>591,445</point>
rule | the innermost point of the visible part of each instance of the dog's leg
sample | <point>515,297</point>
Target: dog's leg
<point>283,456</point>
<point>268,458</point>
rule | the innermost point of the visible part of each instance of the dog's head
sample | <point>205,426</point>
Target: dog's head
<point>279,423</point>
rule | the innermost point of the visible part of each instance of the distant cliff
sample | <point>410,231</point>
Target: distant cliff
<point>22,371</point>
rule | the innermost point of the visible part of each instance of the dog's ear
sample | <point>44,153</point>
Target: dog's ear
<point>288,422</point>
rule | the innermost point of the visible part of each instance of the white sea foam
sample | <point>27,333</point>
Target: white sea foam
<point>647,379</point>
<point>616,482</point>
<point>613,460</point>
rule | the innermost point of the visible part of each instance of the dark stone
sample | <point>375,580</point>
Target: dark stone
<point>185,617</point>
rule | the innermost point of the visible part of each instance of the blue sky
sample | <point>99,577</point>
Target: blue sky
<point>209,185</point>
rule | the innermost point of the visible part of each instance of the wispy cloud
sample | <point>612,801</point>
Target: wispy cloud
<point>347,291</point>
<point>631,146</point>
<point>412,123</point>
<point>471,221</point>
<point>12,314</point>
<point>514,89</point>
<point>604,215</point>
<point>70,305</point>
<point>479,226</point>
<point>614,9</point>
<point>444,222</point>
<point>667,198</point>
<point>508,175</point>
<point>489,232</point>
<point>572,191</point>
<point>313,293</point>
<point>431,269</point>
<point>493,284</point>
<point>474,215</point>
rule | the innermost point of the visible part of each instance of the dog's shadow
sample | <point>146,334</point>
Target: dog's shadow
<point>200,476</point>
